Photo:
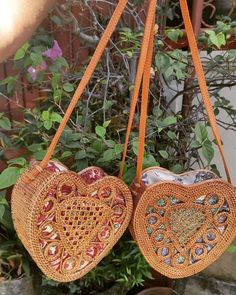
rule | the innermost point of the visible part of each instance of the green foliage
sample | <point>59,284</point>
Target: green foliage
<point>216,39</point>
<point>68,87</point>
<point>129,40</point>
<point>203,142</point>
<point>9,176</point>
<point>10,83</point>
<point>21,52</point>
<point>12,254</point>
<point>174,34</point>
<point>172,64</point>
<point>100,131</point>
<point>49,118</point>
<point>5,123</point>
<point>231,249</point>
<point>201,132</point>
<point>13,262</point>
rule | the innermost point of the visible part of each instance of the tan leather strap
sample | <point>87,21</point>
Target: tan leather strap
<point>202,81</point>
<point>205,95</point>
<point>83,83</point>
<point>144,104</point>
<point>139,75</point>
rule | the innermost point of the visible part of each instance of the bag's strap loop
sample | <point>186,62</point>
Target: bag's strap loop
<point>204,90</point>
<point>83,83</point>
<point>149,28</point>
<point>202,80</point>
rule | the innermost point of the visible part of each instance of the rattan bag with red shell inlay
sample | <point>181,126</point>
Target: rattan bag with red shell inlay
<point>183,223</point>
<point>67,221</point>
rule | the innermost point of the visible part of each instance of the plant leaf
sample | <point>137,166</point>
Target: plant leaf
<point>100,131</point>
<point>177,168</point>
<point>9,176</point>
<point>208,151</point>
<point>108,155</point>
<point>68,87</point>
<point>45,115</point>
<point>169,121</point>
<point>195,144</point>
<point>201,132</point>
<point>149,161</point>
<point>106,123</point>
<point>174,34</point>
<point>80,155</point>
<point>5,123</point>
<point>18,161</point>
<point>164,154</point>
<point>47,124</point>
<point>21,52</point>
<point>55,117</point>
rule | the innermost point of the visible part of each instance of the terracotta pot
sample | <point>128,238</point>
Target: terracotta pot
<point>158,291</point>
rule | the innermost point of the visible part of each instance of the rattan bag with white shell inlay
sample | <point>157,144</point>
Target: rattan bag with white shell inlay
<point>181,223</point>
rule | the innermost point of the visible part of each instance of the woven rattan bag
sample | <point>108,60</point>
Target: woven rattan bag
<point>67,221</point>
<point>181,223</point>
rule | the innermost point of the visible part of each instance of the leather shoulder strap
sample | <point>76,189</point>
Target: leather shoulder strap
<point>83,83</point>
<point>144,105</point>
<point>202,81</point>
<point>139,75</point>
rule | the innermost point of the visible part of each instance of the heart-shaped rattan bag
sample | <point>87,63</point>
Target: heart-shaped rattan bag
<point>181,223</point>
<point>68,222</point>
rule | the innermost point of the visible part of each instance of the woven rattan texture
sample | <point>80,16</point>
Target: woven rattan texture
<point>181,229</point>
<point>68,225</point>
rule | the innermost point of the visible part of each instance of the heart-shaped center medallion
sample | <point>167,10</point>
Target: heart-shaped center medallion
<point>185,223</point>
<point>80,220</point>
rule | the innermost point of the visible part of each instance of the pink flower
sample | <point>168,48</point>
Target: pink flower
<point>34,71</point>
<point>53,52</point>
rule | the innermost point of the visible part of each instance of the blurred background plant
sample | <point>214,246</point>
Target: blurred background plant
<point>14,260</point>
<point>176,139</point>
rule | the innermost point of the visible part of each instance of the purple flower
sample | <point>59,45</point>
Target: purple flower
<point>53,52</point>
<point>34,71</point>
